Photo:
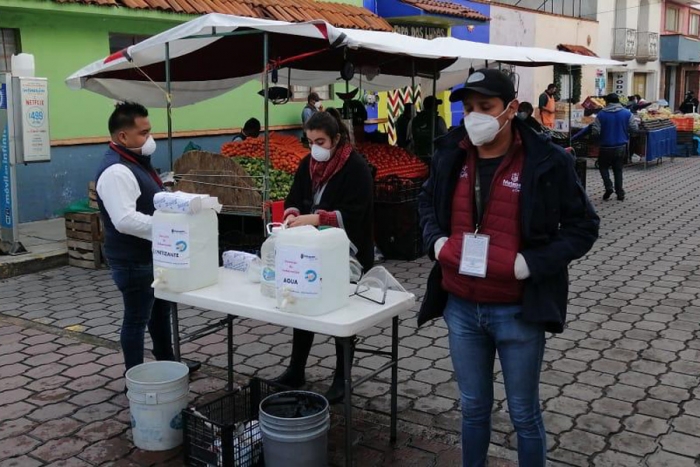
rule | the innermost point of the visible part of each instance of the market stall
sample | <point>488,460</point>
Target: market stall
<point>183,66</point>
<point>660,134</point>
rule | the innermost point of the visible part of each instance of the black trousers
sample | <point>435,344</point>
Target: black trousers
<point>612,158</point>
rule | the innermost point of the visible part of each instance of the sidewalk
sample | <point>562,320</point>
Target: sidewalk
<point>62,404</point>
<point>45,242</point>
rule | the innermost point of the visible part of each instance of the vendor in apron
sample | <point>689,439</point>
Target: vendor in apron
<point>548,106</point>
<point>332,187</point>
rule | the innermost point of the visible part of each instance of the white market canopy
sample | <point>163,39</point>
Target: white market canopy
<point>216,53</point>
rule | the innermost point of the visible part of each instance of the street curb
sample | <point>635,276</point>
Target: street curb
<point>32,264</point>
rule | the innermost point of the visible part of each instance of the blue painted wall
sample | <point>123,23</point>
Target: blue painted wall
<point>44,189</point>
<point>479,34</point>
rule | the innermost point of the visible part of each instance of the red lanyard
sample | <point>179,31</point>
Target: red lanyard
<point>133,160</point>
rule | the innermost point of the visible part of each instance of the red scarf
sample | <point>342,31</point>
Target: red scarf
<point>124,153</point>
<point>321,172</point>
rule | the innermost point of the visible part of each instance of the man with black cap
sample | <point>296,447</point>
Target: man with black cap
<point>612,128</point>
<point>422,127</point>
<point>503,214</point>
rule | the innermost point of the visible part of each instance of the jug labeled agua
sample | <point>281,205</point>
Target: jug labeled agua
<point>311,270</point>
<point>185,250</point>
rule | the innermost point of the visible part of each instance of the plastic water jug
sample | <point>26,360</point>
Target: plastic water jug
<point>268,286</point>
<point>185,250</point>
<point>311,270</point>
<point>22,65</point>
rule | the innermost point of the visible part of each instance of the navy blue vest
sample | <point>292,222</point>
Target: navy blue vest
<point>119,246</point>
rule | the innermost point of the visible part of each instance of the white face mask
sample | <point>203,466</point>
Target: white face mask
<point>317,105</point>
<point>481,128</point>
<point>320,154</point>
<point>148,148</point>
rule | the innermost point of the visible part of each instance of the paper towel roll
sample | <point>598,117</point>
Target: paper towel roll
<point>186,203</point>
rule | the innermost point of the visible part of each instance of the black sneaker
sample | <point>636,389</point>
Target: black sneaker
<point>620,197</point>
<point>607,194</point>
<point>192,365</point>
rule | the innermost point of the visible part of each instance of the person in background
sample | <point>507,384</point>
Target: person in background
<point>422,124</point>
<point>313,105</point>
<point>126,184</point>
<point>548,106</point>
<point>403,123</point>
<point>690,104</point>
<point>504,214</point>
<point>612,128</point>
<point>251,129</point>
<point>525,111</point>
<point>332,187</point>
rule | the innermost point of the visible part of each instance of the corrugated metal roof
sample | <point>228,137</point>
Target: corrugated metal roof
<point>444,8</point>
<point>337,14</point>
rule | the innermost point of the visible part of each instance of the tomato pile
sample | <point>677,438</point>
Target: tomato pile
<point>392,160</point>
<point>286,152</point>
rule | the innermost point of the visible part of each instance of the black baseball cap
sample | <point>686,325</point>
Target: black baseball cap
<point>488,82</point>
<point>612,98</point>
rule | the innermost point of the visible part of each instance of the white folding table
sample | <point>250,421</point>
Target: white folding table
<point>236,296</point>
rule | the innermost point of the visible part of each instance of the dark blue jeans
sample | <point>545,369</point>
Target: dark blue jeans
<point>141,310</point>
<point>612,158</point>
<point>476,333</point>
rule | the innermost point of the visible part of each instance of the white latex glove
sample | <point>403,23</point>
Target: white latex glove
<point>521,270</point>
<point>438,246</point>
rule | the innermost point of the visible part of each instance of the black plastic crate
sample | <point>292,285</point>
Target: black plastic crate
<point>397,190</point>
<point>684,137</point>
<point>212,432</point>
<point>240,233</point>
<point>396,230</point>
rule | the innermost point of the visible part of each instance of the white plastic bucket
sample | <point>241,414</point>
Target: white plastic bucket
<point>157,393</point>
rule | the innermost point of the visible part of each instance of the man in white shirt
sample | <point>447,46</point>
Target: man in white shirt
<point>126,184</point>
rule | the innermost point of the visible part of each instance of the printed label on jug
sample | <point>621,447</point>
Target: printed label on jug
<point>171,246</point>
<point>299,271</point>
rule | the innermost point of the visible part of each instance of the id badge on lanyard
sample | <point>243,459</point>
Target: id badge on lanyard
<point>475,246</point>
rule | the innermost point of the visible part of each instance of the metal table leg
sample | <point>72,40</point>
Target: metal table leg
<point>347,348</point>
<point>175,323</point>
<point>229,326</point>
<point>394,375</point>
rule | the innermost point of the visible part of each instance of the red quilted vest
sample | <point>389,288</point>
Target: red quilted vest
<point>501,222</point>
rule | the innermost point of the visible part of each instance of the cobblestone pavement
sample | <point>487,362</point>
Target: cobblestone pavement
<point>619,386</point>
<point>62,404</point>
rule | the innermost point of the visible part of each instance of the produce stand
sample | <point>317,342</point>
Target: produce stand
<point>172,69</point>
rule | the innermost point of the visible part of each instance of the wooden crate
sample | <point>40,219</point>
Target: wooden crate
<point>92,195</point>
<point>84,236</point>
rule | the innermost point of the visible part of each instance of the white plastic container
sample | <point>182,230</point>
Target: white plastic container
<point>311,270</point>
<point>185,250</point>
<point>22,65</point>
<point>157,393</point>
<point>268,286</point>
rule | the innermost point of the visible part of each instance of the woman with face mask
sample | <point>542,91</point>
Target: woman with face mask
<point>502,214</point>
<point>332,187</point>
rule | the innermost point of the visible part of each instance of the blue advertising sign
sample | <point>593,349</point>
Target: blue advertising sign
<point>3,96</point>
<point>6,220</point>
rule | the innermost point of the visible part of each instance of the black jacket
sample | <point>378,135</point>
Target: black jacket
<point>350,192</point>
<point>558,223</point>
